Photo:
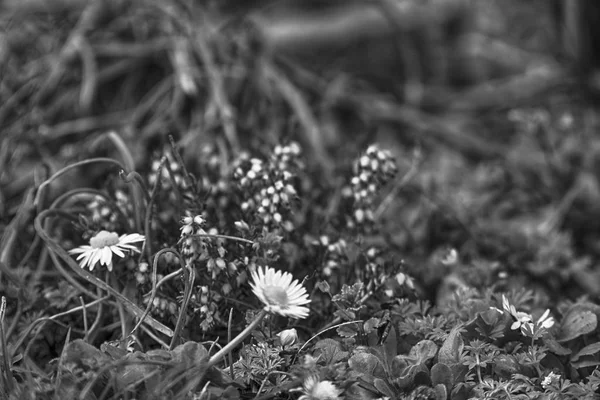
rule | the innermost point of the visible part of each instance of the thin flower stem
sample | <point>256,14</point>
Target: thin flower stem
<point>210,235</point>
<point>328,329</point>
<point>149,207</point>
<point>39,197</point>
<point>478,368</point>
<point>187,295</point>
<point>238,339</point>
<point>154,285</point>
<point>7,377</point>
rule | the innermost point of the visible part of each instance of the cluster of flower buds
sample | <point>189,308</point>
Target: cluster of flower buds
<point>103,214</point>
<point>268,187</point>
<point>372,273</point>
<point>381,274</point>
<point>110,216</point>
<point>214,182</point>
<point>371,172</point>
<point>125,205</point>
<point>204,303</point>
<point>173,185</point>
<point>335,254</point>
<point>286,158</point>
<point>171,173</point>
<point>142,273</point>
<point>192,248</point>
<point>162,306</point>
<point>205,247</point>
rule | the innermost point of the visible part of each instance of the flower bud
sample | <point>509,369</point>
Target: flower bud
<point>288,337</point>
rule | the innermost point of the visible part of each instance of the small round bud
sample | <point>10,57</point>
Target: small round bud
<point>288,337</point>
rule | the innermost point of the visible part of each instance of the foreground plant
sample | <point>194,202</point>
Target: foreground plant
<point>280,293</point>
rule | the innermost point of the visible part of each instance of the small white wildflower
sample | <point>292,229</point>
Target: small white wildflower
<point>102,247</point>
<point>550,379</point>
<point>522,318</point>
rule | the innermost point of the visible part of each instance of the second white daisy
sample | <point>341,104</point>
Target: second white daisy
<point>315,389</point>
<point>102,247</point>
<point>280,292</point>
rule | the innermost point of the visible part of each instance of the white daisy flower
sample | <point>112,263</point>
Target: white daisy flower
<point>280,293</point>
<point>313,389</point>
<point>103,245</point>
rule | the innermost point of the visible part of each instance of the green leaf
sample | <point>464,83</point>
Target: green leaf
<point>390,346</point>
<point>586,361</point>
<point>347,330</point>
<point>330,351</point>
<point>84,355</point>
<point>383,387</point>
<point>587,351</point>
<point>371,324</point>
<point>506,364</point>
<point>324,287</point>
<point>135,371</point>
<point>442,374</point>
<point>190,354</point>
<point>576,323</point>
<point>441,392</point>
<point>556,347</point>
<point>366,363</point>
<point>423,351</point>
<point>452,348</point>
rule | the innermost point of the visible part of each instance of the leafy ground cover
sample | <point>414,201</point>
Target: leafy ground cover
<point>183,216</point>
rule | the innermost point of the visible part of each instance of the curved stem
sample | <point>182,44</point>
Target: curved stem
<point>238,339</point>
<point>210,235</point>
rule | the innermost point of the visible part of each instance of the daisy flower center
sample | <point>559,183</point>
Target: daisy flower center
<point>276,295</point>
<point>104,239</point>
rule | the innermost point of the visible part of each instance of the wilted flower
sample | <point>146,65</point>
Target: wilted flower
<point>280,293</point>
<point>288,337</point>
<point>102,247</point>
<point>313,389</point>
